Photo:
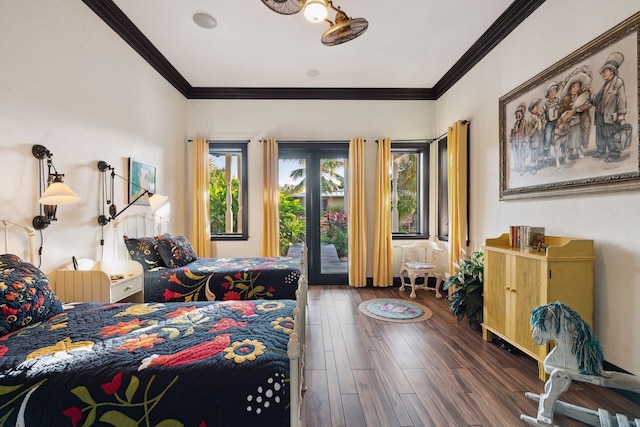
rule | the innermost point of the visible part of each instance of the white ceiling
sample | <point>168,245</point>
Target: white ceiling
<point>409,43</point>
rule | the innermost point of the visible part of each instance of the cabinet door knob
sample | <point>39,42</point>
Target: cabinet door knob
<point>128,288</point>
<point>506,288</point>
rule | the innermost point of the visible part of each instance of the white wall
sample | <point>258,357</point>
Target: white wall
<point>305,120</point>
<point>552,32</point>
<point>68,82</point>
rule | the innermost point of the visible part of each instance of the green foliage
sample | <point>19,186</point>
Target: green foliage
<point>288,189</point>
<point>335,230</point>
<point>407,185</point>
<point>465,300</point>
<point>218,200</point>
<point>292,215</point>
<point>292,222</point>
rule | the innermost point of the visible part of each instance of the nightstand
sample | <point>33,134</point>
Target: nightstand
<point>109,281</point>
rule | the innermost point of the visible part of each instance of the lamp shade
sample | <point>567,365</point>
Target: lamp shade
<point>58,193</point>
<point>315,10</point>
<point>157,200</point>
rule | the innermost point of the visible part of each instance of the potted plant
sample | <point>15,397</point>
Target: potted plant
<point>465,295</point>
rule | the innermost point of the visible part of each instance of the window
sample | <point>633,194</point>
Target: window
<point>409,189</point>
<point>313,198</point>
<point>443,192</point>
<point>228,195</point>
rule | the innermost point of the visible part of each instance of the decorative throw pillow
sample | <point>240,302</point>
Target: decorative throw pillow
<point>8,261</point>
<point>26,296</point>
<point>176,251</point>
<point>145,251</point>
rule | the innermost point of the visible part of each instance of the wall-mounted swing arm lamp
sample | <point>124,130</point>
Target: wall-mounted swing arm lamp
<point>51,189</point>
<point>155,200</point>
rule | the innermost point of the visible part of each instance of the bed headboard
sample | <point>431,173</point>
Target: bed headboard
<point>19,240</point>
<point>134,225</point>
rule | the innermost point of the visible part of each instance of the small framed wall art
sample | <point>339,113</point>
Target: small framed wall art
<point>142,176</point>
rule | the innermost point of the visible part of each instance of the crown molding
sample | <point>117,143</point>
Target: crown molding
<point>515,14</point>
<point>312,93</point>
<point>115,18</point>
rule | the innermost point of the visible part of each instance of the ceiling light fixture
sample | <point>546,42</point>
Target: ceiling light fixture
<point>204,20</point>
<point>316,10</point>
<point>342,28</point>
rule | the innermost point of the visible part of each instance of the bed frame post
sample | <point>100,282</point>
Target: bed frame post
<point>296,348</point>
<point>30,232</point>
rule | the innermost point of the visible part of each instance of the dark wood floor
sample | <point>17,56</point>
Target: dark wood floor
<point>366,372</point>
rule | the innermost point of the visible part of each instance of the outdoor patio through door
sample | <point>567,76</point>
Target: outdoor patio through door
<point>313,207</point>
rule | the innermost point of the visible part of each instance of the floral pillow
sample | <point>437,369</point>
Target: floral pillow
<point>26,296</point>
<point>145,251</point>
<point>176,251</point>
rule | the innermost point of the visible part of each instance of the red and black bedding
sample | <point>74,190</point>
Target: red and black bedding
<point>216,363</point>
<point>173,273</point>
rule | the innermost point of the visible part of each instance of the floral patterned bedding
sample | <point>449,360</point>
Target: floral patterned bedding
<point>209,279</point>
<point>202,364</point>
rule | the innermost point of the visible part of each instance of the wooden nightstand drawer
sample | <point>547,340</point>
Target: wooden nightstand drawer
<point>125,287</point>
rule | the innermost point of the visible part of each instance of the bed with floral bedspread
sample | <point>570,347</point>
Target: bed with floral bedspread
<point>212,279</point>
<point>174,273</point>
<point>221,363</point>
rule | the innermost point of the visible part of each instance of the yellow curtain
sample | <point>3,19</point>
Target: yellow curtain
<point>270,199</point>
<point>457,175</point>
<point>200,225</point>
<point>357,214</point>
<point>382,250</point>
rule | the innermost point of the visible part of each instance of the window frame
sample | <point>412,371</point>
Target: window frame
<point>423,149</point>
<point>235,147</point>
<point>443,190</point>
<point>311,151</point>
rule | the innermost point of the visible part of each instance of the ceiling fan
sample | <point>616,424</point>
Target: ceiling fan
<point>342,30</point>
<point>284,7</point>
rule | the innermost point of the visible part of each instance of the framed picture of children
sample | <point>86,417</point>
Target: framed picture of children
<point>574,127</point>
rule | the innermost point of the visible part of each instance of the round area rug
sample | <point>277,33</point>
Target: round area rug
<point>395,310</point>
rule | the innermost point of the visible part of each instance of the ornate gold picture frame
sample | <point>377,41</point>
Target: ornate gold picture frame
<point>574,127</point>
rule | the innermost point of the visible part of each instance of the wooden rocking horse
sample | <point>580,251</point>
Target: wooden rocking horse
<point>576,356</point>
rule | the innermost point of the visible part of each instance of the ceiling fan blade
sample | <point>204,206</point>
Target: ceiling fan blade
<point>344,31</point>
<point>284,7</point>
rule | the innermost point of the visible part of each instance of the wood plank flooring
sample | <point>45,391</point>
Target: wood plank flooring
<point>371,373</point>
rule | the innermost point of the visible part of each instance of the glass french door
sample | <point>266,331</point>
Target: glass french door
<point>313,207</point>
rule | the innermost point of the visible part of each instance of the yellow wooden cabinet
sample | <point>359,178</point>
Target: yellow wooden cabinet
<point>518,280</point>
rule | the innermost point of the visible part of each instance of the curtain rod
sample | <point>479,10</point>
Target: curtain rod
<point>464,122</point>
<point>427,140</point>
<point>311,141</point>
<point>223,140</point>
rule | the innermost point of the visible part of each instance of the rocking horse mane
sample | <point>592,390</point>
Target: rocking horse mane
<point>564,323</point>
